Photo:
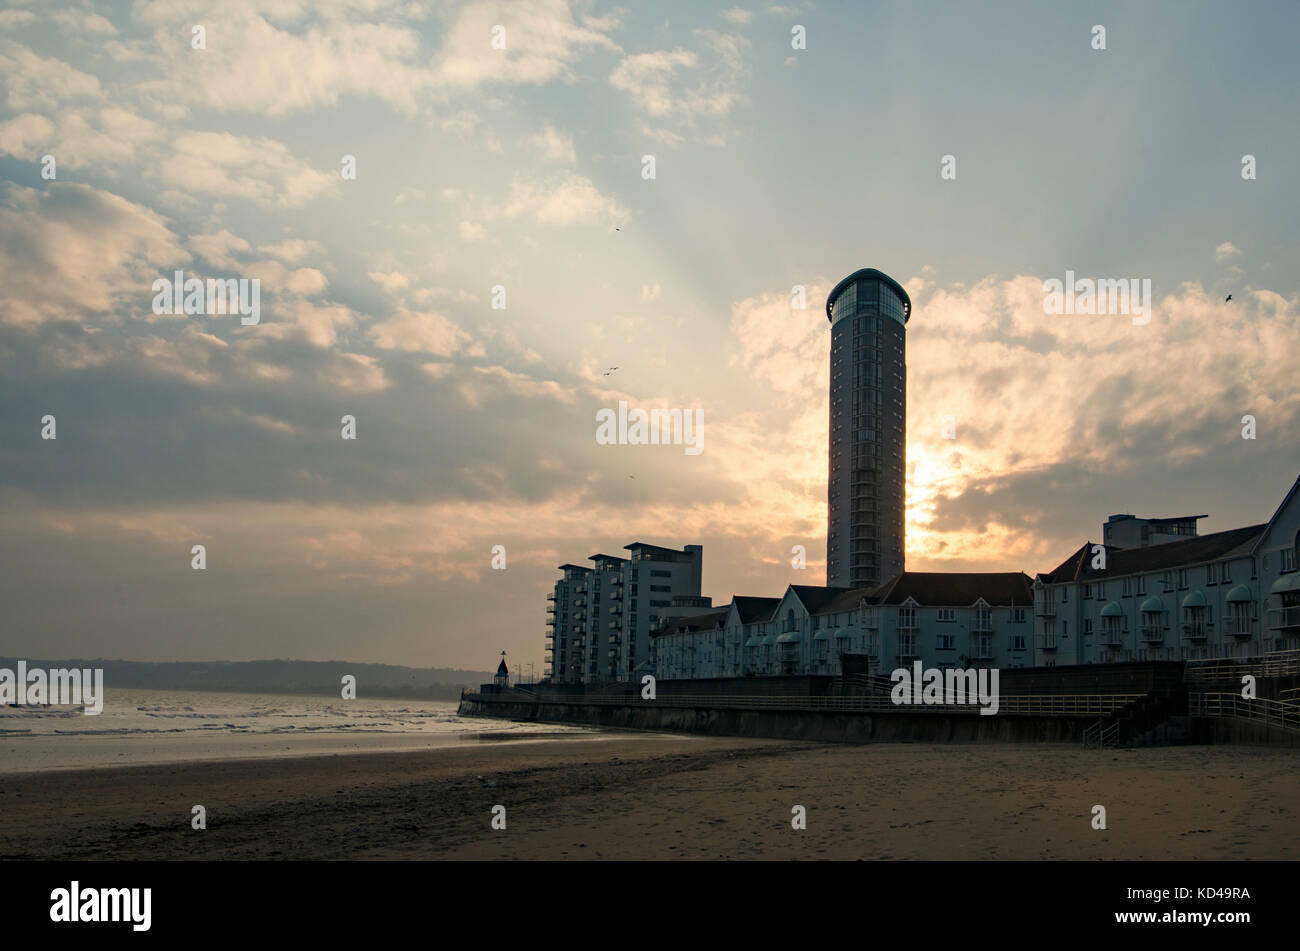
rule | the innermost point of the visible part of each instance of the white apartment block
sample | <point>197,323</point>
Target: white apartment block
<point>600,617</point>
<point>1230,594</point>
<point>943,619</point>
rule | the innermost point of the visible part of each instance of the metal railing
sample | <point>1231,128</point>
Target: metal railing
<point>1283,617</point>
<point>1101,734</point>
<point>1280,664</point>
<point>1021,704</point>
<point>1281,714</point>
<point>1238,626</point>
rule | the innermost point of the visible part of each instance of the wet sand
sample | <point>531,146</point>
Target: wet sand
<point>667,797</point>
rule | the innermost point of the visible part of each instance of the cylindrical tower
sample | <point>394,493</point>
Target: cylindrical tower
<point>868,312</point>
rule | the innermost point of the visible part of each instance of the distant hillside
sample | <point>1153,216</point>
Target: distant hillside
<point>277,676</point>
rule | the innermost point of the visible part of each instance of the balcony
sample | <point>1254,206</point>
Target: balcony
<point>983,625</point>
<point>550,609</point>
<point>1283,618</point>
<point>1238,626</point>
<point>617,582</point>
<point>1112,637</point>
<point>983,648</point>
<point>907,622</point>
<point>1045,608</point>
<point>550,597</point>
<point>1194,630</point>
<point>1046,642</point>
<point>1152,633</point>
<point>616,595</point>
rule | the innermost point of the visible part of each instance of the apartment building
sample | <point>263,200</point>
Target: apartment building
<point>1182,597</point>
<point>601,616</point>
<point>944,619</point>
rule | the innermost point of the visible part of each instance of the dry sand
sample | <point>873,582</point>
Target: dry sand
<point>665,797</point>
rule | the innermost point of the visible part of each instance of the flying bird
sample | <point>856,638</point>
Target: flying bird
<point>1228,298</point>
<point>609,371</point>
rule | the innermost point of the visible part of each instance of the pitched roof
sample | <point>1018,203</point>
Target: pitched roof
<point>848,600</point>
<point>957,588</point>
<point>751,609</point>
<point>695,622</point>
<point>816,597</point>
<point>1276,515</point>
<point>1127,561</point>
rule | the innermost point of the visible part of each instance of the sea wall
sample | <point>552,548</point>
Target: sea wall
<point>878,727</point>
<point>1237,731</point>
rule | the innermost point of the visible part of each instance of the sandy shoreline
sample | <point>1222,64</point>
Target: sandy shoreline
<point>665,797</point>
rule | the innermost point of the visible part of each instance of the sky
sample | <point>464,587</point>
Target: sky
<point>523,168</point>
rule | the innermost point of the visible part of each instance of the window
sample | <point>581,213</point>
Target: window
<point>1017,642</point>
<point>1087,592</point>
<point>1018,617</point>
<point>1288,559</point>
<point>1142,585</point>
<point>1087,625</point>
<point>1225,575</point>
<point>1127,587</point>
<point>1211,574</point>
<point>1065,594</point>
<point>1182,579</point>
<point>948,615</point>
<point>945,642</point>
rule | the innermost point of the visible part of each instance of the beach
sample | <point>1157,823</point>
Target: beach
<point>655,796</point>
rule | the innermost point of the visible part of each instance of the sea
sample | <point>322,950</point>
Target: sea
<point>139,727</point>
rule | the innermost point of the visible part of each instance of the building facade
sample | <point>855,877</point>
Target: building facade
<point>600,617</point>
<point>1229,594</point>
<point>943,619</point>
<point>868,312</point>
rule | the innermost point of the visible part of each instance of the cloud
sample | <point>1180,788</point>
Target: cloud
<point>303,61</point>
<point>1226,252</point>
<point>72,252</point>
<point>684,88</point>
<point>259,170</point>
<point>542,43</point>
<point>737,15</point>
<point>39,82</point>
<point>550,143</point>
<point>418,331</point>
<point>82,138</point>
<point>563,200</point>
